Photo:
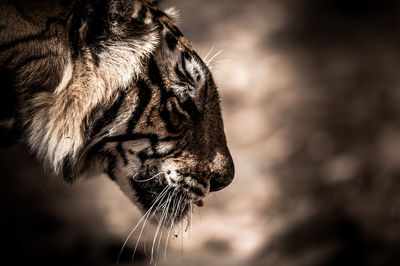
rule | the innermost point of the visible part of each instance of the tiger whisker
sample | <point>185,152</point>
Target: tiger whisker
<point>145,243</point>
<point>141,231</point>
<point>175,212</point>
<point>130,234</point>
<point>156,234</point>
<point>160,206</point>
<point>154,212</point>
<point>140,235</point>
<point>188,219</point>
<point>133,230</point>
<point>212,48</point>
<point>187,224</point>
<point>191,216</point>
<point>182,241</point>
<point>209,61</point>
<point>145,180</point>
<point>164,220</point>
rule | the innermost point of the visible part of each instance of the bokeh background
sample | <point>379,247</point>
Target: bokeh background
<point>310,94</point>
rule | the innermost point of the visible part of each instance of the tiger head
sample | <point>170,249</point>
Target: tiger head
<point>161,139</point>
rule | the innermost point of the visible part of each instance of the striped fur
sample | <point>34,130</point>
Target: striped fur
<point>112,86</point>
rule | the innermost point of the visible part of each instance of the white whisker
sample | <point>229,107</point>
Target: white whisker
<point>140,234</point>
<point>130,234</point>
<point>191,216</point>
<point>145,242</point>
<point>212,48</point>
<point>209,61</point>
<point>182,241</point>
<point>133,230</point>
<point>164,220</point>
<point>145,180</point>
<point>157,230</point>
<point>175,212</point>
<point>144,224</point>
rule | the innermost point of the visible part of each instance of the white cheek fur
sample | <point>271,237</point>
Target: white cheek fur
<point>170,174</point>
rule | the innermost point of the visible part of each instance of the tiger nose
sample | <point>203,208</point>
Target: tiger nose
<point>218,182</point>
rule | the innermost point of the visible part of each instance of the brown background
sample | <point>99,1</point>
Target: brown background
<point>310,95</point>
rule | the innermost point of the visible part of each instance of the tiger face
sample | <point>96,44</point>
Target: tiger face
<point>162,140</point>
<point>113,86</point>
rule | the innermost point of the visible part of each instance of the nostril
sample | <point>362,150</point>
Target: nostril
<point>215,185</point>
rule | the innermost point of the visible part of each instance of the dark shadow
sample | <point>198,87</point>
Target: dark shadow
<point>346,125</point>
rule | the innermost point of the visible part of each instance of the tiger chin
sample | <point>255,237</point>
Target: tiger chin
<point>113,86</point>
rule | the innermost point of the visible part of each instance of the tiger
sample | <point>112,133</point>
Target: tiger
<point>113,87</point>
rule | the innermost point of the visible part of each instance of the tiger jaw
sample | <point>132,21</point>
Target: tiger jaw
<point>160,199</point>
<point>154,192</point>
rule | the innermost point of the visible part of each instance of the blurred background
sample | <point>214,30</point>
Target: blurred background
<point>310,95</point>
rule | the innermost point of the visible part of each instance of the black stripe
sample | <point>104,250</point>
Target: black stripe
<point>112,161</point>
<point>156,79</point>
<point>149,122</point>
<point>74,34</point>
<point>180,150</point>
<point>143,155</point>
<point>144,97</point>
<point>141,15</point>
<point>36,37</point>
<point>33,58</point>
<point>177,112</point>
<point>182,76</point>
<point>165,115</point>
<point>175,31</point>
<point>187,55</point>
<point>153,138</point>
<point>171,41</point>
<point>156,13</point>
<point>205,89</point>
<point>190,107</point>
<point>122,153</point>
<point>41,36</point>
<point>108,116</point>
<point>197,73</point>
